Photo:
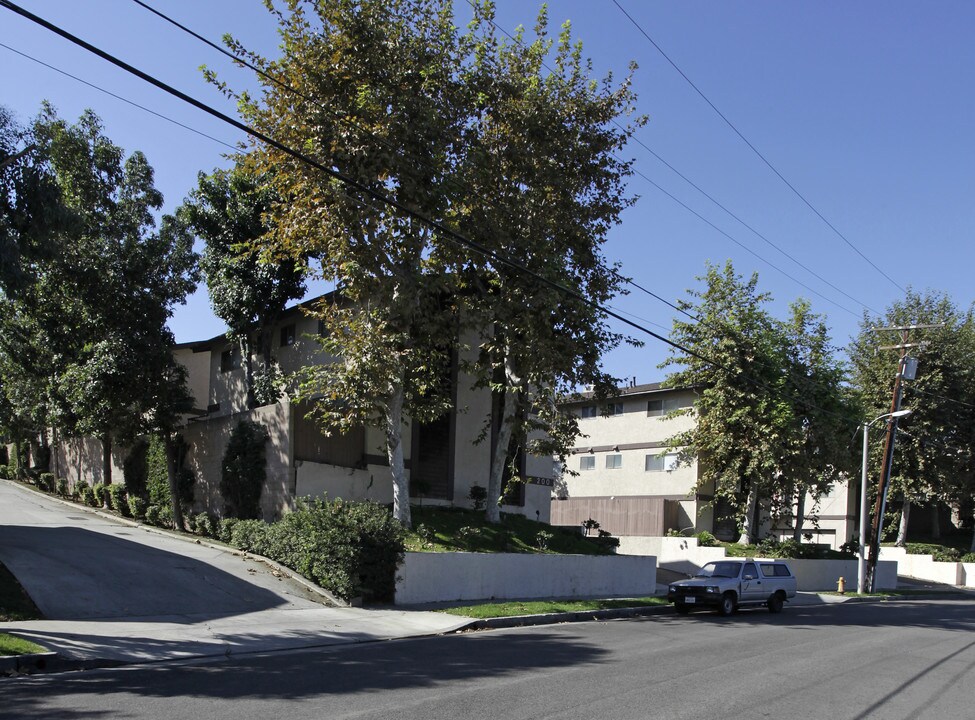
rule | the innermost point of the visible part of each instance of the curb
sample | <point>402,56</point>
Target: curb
<point>194,539</point>
<point>566,617</point>
<point>28,663</point>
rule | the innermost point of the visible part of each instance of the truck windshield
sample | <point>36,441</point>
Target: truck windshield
<point>719,569</point>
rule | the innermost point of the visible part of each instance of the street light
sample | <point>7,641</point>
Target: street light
<point>861,561</point>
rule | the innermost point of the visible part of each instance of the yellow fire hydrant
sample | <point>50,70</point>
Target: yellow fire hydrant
<point>841,586</point>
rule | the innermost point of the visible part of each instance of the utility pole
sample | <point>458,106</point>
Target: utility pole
<point>906,367</point>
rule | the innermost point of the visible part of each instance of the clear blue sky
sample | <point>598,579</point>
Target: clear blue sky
<point>867,108</point>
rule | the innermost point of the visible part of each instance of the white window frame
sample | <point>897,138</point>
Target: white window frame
<point>668,462</point>
<point>617,461</point>
<point>587,460</point>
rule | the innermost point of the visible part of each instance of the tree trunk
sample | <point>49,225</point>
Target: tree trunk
<point>935,522</point>
<point>499,456</point>
<point>905,519</point>
<point>107,459</point>
<point>172,476</point>
<point>55,461</point>
<point>800,513</point>
<point>394,451</point>
<point>749,528</point>
<point>245,356</point>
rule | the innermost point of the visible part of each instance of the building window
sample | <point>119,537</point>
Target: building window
<point>287,335</point>
<point>588,411</point>
<point>228,360</point>
<point>658,408</point>
<point>661,463</point>
<point>614,462</point>
<point>614,409</point>
<point>587,462</point>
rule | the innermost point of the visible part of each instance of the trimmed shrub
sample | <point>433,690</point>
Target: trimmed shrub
<point>226,529</point>
<point>157,474</point>
<point>135,468</point>
<point>3,472</point>
<point>98,490</point>
<point>250,536</point>
<point>79,490</point>
<point>137,507</point>
<point>968,557</point>
<point>706,539</point>
<point>116,498</point>
<point>152,514</point>
<point>244,470</point>
<point>61,487</point>
<point>45,481</point>
<point>204,524</point>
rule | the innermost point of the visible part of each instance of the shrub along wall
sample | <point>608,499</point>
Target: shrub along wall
<point>350,549</point>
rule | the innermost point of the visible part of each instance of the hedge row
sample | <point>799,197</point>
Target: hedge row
<point>350,549</point>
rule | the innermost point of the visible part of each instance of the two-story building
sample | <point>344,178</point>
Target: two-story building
<point>444,458</point>
<point>622,474</point>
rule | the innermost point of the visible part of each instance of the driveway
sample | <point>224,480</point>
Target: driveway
<point>111,590</point>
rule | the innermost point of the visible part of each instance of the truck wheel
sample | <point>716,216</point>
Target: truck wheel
<point>775,603</point>
<point>727,605</point>
<point>682,608</point>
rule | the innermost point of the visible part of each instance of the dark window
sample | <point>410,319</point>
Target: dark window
<point>655,408</point>
<point>287,335</point>
<point>614,409</point>
<point>228,360</point>
<point>749,572</point>
<point>588,411</point>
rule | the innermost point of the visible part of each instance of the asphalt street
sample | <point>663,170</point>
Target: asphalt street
<point>838,662</point>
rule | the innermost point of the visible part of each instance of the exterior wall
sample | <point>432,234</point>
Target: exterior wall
<point>837,516</point>
<point>80,458</point>
<point>208,441</point>
<point>822,575</point>
<point>332,481</point>
<point>968,574</point>
<point>197,364</point>
<point>447,577</point>
<point>679,554</point>
<point>924,567</point>
<point>633,435</point>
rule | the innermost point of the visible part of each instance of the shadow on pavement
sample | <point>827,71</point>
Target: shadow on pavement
<point>74,574</point>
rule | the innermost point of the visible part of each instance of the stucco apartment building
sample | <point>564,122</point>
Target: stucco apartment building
<point>443,458</point>
<point>624,477</point>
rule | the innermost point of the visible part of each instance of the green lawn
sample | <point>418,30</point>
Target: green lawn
<point>15,604</point>
<point>484,611</point>
<point>11,645</point>
<point>441,529</point>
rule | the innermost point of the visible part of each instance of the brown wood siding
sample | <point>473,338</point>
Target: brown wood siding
<point>638,516</point>
<point>346,450</point>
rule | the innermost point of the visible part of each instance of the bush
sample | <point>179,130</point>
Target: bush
<point>137,507</point>
<point>788,549</point>
<point>939,553</point>
<point>478,497</point>
<point>45,481</point>
<point>244,470</point>
<point>116,498</point>
<point>706,539</point>
<point>542,538</point>
<point>135,468</point>
<point>61,487</point>
<point>3,472</point>
<point>226,529</point>
<point>968,557</point>
<point>152,515</point>
<point>204,524</point>
<point>98,491</point>
<point>157,474</point>
<point>79,490</point>
<point>250,536</point>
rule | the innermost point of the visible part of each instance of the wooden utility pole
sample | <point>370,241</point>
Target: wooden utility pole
<point>880,505</point>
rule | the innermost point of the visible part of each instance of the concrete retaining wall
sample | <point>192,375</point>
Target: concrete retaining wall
<point>924,567</point>
<point>453,576</point>
<point>821,575</point>
<point>968,574</point>
<point>680,554</point>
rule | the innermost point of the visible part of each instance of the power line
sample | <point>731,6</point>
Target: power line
<point>755,150</point>
<point>119,97</point>
<point>723,208</point>
<point>341,177</point>
<point>384,199</point>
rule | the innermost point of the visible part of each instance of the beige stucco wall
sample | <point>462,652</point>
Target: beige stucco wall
<point>197,366</point>
<point>208,441</point>
<point>80,458</point>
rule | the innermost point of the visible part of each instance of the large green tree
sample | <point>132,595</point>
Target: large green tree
<point>230,211</point>
<point>378,104</point>
<point>91,318</point>
<point>540,183</point>
<point>934,462</point>
<point>745,420</point>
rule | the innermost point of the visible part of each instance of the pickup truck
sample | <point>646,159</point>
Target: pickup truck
<point>729,584</point>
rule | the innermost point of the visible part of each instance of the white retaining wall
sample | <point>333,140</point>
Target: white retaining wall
<point>453,576</point>
<point>924,567</point>
<point>684,555</point>
<point>681,554</point>
<point>968,574</point>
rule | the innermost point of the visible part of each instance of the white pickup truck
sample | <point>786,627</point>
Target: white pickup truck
<point>728,584</point>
